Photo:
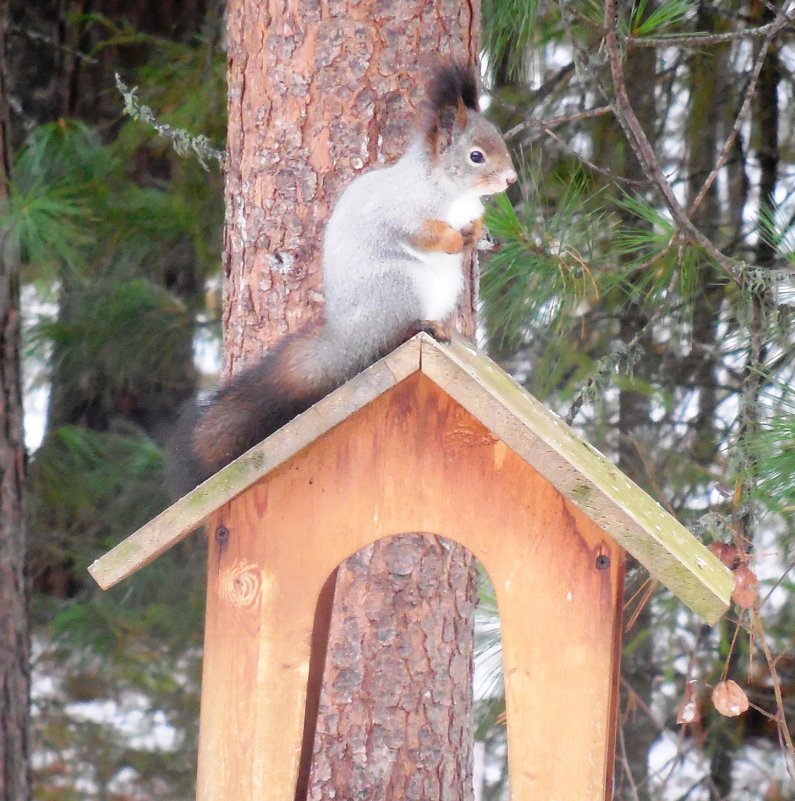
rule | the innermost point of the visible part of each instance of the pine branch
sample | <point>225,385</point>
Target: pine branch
<point>756,290</point>
<point>624,357</point>
<point>183,142</point>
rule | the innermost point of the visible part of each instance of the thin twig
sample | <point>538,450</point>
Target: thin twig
<point>697,39</point>
<point>547,125</point>
<point>777,582</point>
<point>649,590</point>
<point>581,55</point>
<point>557,81</point>
<point>660,494</point>
<point>50,41</point>
<point>588,163</point>
<point>781,721</point>
<point>627,767</point>
<point>633,697</point>
<point>771,30</point>
<point>182,141</point>
<point>727,662</point>
<point>554,122</point>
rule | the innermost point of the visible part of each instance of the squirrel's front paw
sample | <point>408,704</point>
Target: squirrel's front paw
<point>437,236</point>
<point>472,233</point>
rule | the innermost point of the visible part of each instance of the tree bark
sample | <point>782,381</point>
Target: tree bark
<point>767,113</point>
<point>14,639</point>
<point>317,94</point>
<point>314,100</point>
<point>396,706</point>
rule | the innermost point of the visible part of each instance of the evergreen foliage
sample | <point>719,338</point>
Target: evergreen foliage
<point>117,237</point>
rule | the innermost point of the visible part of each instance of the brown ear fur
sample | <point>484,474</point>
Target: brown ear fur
<point>440,130</point>
<point>461,115</point>
<point>432,137</point>
<point>450,92</point>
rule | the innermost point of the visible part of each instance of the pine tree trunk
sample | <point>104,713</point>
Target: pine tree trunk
<point>316,95</point>
<point>14,644</point>
<point>396,708</point>
<point>14,640</point>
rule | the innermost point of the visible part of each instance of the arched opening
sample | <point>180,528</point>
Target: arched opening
<point>490,770</point>
<point>403,622</point>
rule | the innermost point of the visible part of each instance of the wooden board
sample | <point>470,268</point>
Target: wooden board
<point>412,460</point>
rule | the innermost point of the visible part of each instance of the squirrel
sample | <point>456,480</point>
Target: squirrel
<point>392,266</point>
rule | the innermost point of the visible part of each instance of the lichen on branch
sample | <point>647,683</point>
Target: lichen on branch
<point>183,142</point>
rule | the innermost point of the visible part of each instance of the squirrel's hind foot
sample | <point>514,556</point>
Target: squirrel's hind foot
<point>436,328</point>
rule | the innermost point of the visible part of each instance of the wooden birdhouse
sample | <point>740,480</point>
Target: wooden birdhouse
<point>433,438</point>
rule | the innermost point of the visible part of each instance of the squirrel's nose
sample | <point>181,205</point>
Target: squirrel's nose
<point>510,177</point>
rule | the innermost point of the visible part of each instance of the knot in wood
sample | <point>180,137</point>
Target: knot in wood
<point>242,584</point>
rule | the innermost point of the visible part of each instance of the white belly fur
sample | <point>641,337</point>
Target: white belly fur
<point>438,277</point>
<point>464,210</point>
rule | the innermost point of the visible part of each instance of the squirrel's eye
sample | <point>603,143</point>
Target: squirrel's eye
<point>477,157</point>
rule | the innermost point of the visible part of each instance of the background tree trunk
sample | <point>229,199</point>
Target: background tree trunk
<point>14,644</point>
<point>315,97</point>
<point>14,638</point>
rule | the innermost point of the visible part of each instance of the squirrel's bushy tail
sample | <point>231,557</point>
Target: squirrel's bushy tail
<point>297,373</point>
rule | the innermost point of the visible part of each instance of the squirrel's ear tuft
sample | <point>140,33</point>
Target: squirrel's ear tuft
<point>453,84</point>
<point>451,91</point>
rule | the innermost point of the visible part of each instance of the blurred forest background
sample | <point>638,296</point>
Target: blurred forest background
<point>641,284</point>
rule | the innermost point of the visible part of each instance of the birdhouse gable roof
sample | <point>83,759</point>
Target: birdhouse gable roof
<point>577,470</point>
